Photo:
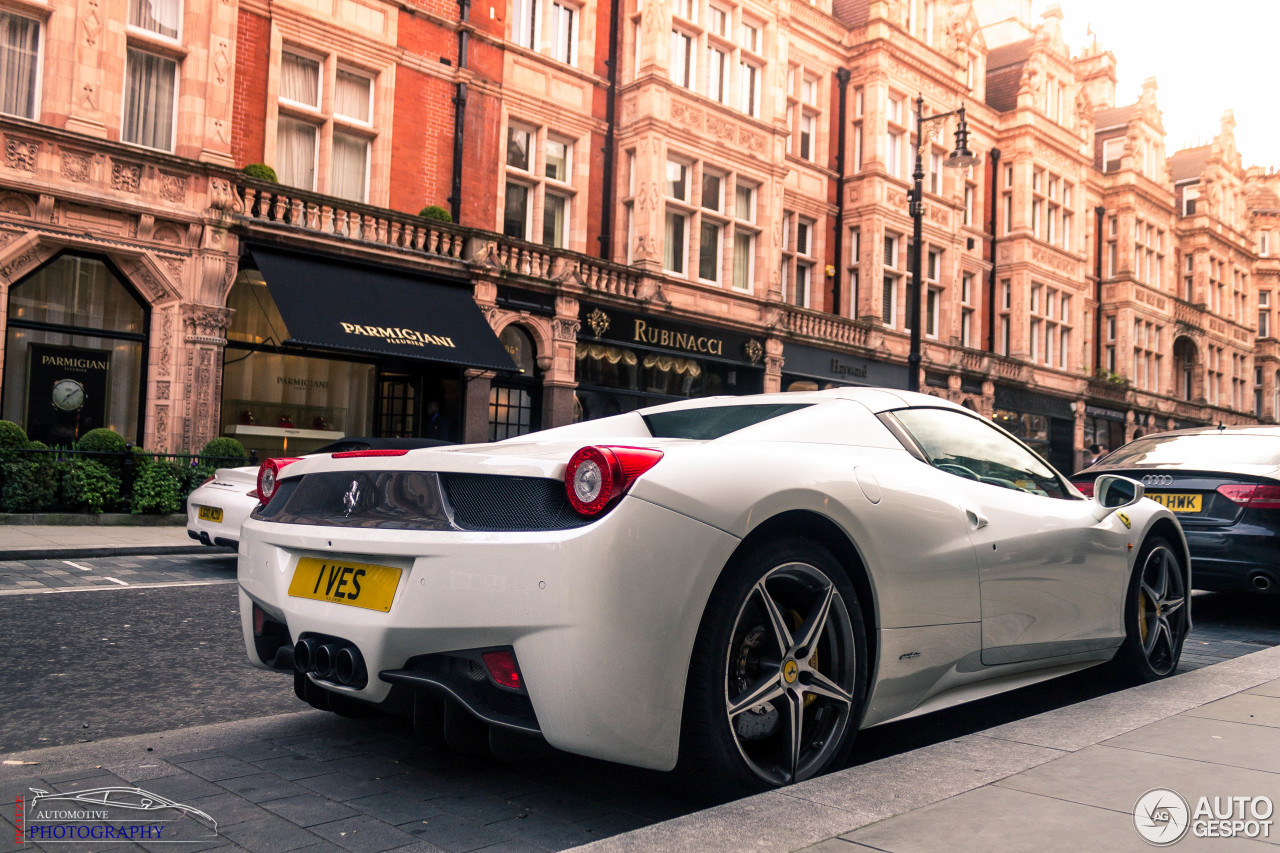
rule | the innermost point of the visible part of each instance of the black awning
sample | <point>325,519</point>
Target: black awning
<point>339,305</point>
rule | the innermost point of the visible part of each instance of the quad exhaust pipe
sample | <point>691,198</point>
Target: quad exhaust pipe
<point>340,661</point>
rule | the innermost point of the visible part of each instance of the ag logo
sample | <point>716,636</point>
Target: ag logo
<point>1161,816</point>
<point>1124,518</point>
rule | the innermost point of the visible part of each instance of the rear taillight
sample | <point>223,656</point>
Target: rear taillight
<point>1252,495</point>
<point>269,473</point>
<point>355,454</point>
<point>597,476</point>
<point>207,481</point>
<point>1085,488</point>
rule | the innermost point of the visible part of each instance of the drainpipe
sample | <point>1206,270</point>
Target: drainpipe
<point>460,111</point>
<point>1098,213</point>
<point>610,103</point>
<point>991,274</point>
<point>842,79</point>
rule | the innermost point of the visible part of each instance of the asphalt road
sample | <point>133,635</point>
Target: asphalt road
<point>93,664</point>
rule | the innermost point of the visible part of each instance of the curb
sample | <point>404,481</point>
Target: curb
<point>122,551</point>
<point>89,519</point>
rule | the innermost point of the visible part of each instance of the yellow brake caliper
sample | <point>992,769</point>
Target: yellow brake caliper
<point>809,699</point>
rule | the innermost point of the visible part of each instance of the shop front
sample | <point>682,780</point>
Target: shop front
<point>1103,427</point>
<point>626,361</point>
<point>74,345</point>
<point>1046,424</point>
<point>322,348</point>
<point>810,369</point>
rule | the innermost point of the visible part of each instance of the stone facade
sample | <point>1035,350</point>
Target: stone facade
<point>685,163</point>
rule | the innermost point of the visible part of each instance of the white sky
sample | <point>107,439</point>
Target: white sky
<point>1207,57</point>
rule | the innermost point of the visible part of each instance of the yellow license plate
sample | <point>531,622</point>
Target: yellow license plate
<point>345,582</point>
<point>1177,503</point>
<point>210,513</point>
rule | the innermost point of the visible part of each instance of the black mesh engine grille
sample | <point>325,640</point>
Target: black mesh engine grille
<point>492,503</point>
<point>417,500</point>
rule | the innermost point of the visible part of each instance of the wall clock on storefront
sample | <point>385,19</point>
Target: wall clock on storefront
<point>68,395</point>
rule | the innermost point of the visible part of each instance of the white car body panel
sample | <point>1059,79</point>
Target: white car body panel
<point>227,491</point>
<point>602,618</point>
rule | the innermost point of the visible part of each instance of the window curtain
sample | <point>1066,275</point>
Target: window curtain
<point>158,16</point>
<point>300,79</point>
<point>19,53</point>
<point>296,153</point>
<point>351,96</point>
<point>554,212</point>
<point>148,118</point>
<point>350,167</point>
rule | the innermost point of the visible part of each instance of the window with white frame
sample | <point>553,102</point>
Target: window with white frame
<point>855,257</point>
<point>1147,356</point>
<point>970,192</point>
<point>859,103</point>
<point>744,234</point>
<point>1049,326</point>
<point>800,262</point>
<point>716,208</point>
<point>1006,320</point>
<point>1112,152</point>
<point>895,137</point>
<point>933,290</point>
<point>564,32</point>
<point>682,64</point>
<point>1148,253</point>
<point>310,125</point>
<point>802,113</point>
<point>1037,202</point>
<point>538,190</point>
<point>1190,195</point>
<point>19,65</point>
<point>151,99</point>
<point>162,17</point>
<point>966,309</point>
<point>1264,243</point>
<point>892,280</point>
<point>1112,247</point>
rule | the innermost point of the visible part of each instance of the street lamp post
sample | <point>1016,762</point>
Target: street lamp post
<point>960,158</point>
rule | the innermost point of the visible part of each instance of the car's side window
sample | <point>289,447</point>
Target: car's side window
<point>971,448</point>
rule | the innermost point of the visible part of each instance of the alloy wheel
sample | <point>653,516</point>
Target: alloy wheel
<point>1162,614</point>
<point>790,676</point>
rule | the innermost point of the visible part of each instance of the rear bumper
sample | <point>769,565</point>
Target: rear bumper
<point>601,618</point>
<point>1237,558</point>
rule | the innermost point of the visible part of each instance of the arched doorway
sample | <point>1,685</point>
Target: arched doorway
<point>515,402</point>
<point>1185,376</point>
<point>74,352</point>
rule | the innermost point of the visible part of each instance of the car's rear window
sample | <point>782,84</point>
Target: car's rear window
<point>1203,451</point>
<point>711,422</point>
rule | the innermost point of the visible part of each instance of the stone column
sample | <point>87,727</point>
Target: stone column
<point>205,328</point>
<point>475,405</point>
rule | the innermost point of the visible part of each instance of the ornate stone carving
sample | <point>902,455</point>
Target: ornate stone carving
<point>221,62</point>
<point>89,97</point>
<point>142,276</point>
<point>20,263</point>
<point>223,196</point>
<point>21,153</point>
<point>16,204</point>
<point>168,233</point>
<point>162,390</point>
<point>565,330</point>
<point>646,247</point>
<point>649,197</point>
<point>126,177</point>
<point>75,166</point>
<point>92,23</point>
<point>206,324</point>
<point>753,350</point>
<point>7,237</point>
<point>173,187</point>
<point>162,428</point>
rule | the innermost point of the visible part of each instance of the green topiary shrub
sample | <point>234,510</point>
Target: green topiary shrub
<point>261,171</point>
<point>158,488</point>
<point>12,439</point>
<point>436,212</point>
<point>103,440</point>
<point>89,485</point>
<point>28,486</point>
<point>224,449</point>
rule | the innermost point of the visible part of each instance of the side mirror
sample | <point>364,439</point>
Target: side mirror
<point>1113,492</point>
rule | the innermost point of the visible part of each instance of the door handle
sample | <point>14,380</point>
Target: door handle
<point>977,520</point>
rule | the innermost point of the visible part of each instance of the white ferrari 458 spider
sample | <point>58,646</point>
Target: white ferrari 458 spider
<point>737,584</point>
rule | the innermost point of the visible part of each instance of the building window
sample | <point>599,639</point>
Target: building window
<point>151,103</point>
<point>1264,323</point>
<point>966,309</point>
<point>717,68</point>
<point>710,257</point>
<point>1264,243</point>
<point>895,134</point>
<point>682,65</point>
<point>162,17</point>
<point>891,281</point>
<point>969,190</point>
<point>1190,194</point>
<point>564,32</point>
<point>19,65</point>
<point>744,235</point>
<point>1112,151</point>
<point>524,26</point>
<point>538,198</point>
<point>749,76</point>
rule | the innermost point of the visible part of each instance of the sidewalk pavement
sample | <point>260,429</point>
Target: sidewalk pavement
<point>58,541</point>
<point>1067,780</point>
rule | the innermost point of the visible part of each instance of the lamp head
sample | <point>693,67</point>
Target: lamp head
<point>962,157</point>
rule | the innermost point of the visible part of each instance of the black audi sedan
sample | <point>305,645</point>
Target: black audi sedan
<point>1224,486</point>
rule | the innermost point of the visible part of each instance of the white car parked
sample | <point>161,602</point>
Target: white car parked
<point>731,584</point>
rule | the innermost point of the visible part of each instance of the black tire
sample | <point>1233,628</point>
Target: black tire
<point>782,642</point>
<point>1155,615</point>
